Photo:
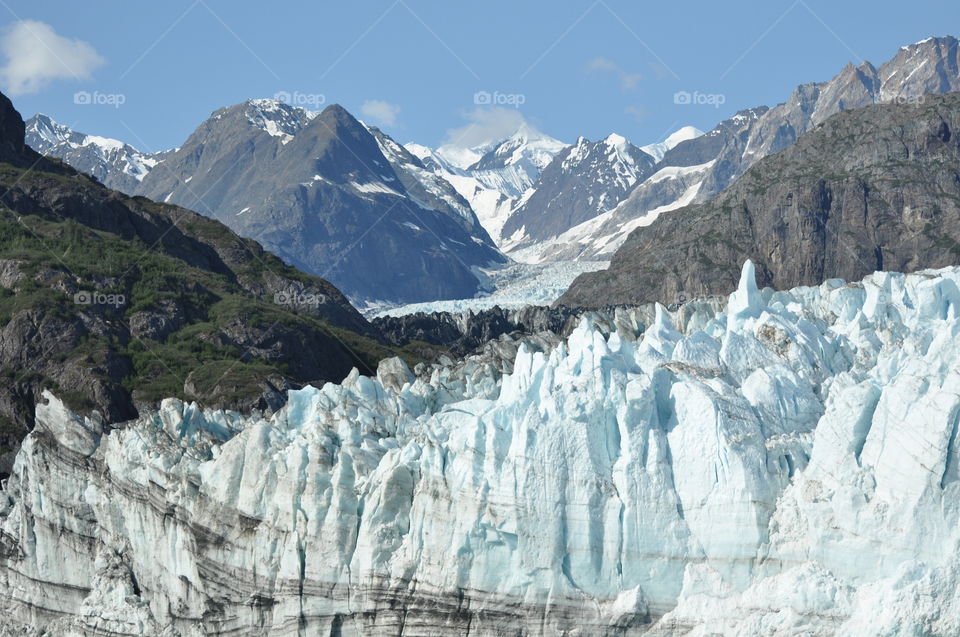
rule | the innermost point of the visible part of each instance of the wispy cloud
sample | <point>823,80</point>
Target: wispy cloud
<point>380,112</point>
<point>628,81</point>
<point>638,112</point>
<point>485,125</point>
<point>36,55</point>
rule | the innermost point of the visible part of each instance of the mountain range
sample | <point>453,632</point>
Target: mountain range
<point>314,188</point>
<point>876,188</point>
<point>396,223</point>
<point>698,169</point>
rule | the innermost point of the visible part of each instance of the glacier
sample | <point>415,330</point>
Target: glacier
<point>775,462</point>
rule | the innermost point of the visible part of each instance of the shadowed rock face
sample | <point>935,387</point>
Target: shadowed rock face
<point>11,132</point>
<point>876,188</point>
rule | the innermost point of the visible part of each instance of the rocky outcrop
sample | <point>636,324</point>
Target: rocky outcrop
<point>11,132</point>
<point>462,333</point>
<point>871,189</point>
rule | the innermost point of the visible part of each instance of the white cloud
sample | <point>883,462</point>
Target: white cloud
<point>382,113</point>
<point>601,64</point>
<point>36,55</point>
<point>486,125</point>
<point>628,81</point>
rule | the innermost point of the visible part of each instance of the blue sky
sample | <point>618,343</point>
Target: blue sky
<point>415,67</point>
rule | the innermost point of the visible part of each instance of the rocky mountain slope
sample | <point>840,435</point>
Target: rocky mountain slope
<point>117,302</point>
<point>876,188</point>
<point>931,66</point>
<point>316,190</point>
<point>784,465</point>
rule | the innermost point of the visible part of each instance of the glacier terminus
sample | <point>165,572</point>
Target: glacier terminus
<point>772,463</point>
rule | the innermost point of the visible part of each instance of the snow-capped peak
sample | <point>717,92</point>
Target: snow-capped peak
<point>274,106</point>
<point>418,150</point>
<point>526,145</point>
<point>659,149</point>
<point>528,149</point>
<point>47,129</point>
<point>934,39</point>
<point>615,140</point>
<point>53,133</point>
<point>529,135</point>
<point>277,118</point>
<point>93,153</point>
<point>458,156</point>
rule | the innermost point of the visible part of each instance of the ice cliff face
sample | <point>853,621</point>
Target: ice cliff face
<point>786,465</point>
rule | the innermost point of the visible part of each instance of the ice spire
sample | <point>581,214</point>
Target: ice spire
<point>661,321</point>
<point>746,301</point>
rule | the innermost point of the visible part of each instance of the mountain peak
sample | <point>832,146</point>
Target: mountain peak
<point>337,118</point>
<point>932,41</point>
<point>528,148</point>
<point>12,130</point>
<point>527,133</point>
<point>47,128</point>
<point>613,139</point>
<point>337,111</point>
<point>659,149</point>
